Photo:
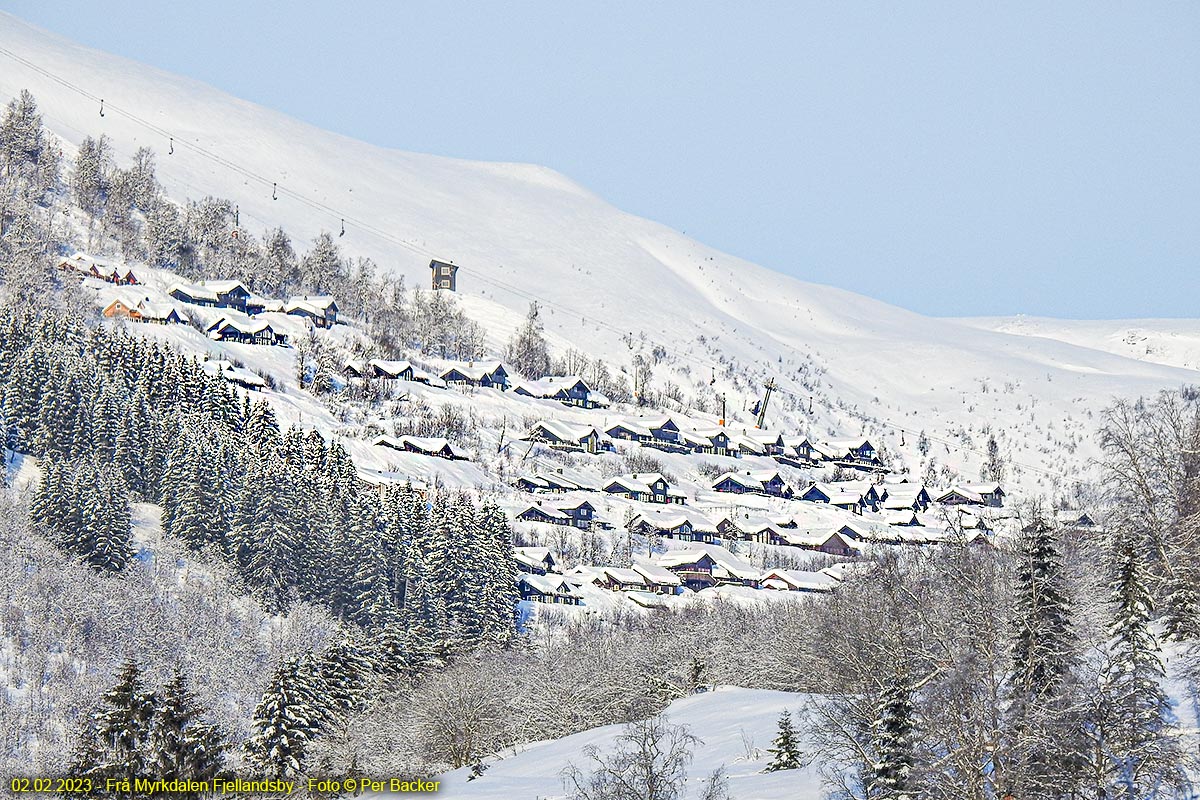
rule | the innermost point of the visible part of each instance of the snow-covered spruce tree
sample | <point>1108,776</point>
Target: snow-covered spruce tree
<point>499,593</point>
<point>347,675</point>
<point>86,510</point>
<point>891,776</point>
<point>785,750</point>
<point>1140,743</point>
<point>1043,752</point>
<point>265,532</point>
<point>182,745</point>
<point>527,351</point>
<point>285,721</point>
<point>116,743</point>
<point>1181,617</point>
<point>106,517</point>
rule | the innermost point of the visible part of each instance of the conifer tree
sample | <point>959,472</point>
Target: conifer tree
<point>785,750</point>
<point>1044,729</point>
<point>117,742</point>
<point>891,776</point>
<point>1139,738</point>
<point>183,745</point>
<point>499,595</point>
<point>285,721</point>
<point>346,673</point>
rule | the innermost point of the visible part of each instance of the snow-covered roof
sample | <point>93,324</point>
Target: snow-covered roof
<point>265,303</point>
<point>391,368</point>
<point>547,585</point>
<point>624,576</point>
<point>637,482</point>
<point>797,580</point>
<point>908,517</point>
<point>753,525</point>
<point>740,478</point>
<point>539,557</point>
<point>564,431</point>
<point>316,303</point>
<point>229,372</point>
<point>845,445</point>
<point>249,327</point>
<point>225,286</point>
<point>655,574</point>
<point>960,491</point>
<point>669,518</point>
<point>546,510</point>
<point>646,599</point>
<point>727,561</point>
<point>746,443</point>
<point>157,311</point>
<point>637,427</point>
<point>471,370</point>
<point>424,445</point>
<point>194,290</point>
<point>982,488</point>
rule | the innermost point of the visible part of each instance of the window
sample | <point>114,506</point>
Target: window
<point>445,270</point>
<point>443,284</point>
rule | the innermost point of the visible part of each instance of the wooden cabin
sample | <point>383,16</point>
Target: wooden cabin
<point>443,275</point>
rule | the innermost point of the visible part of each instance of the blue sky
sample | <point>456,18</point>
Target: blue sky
<point>952,158</point>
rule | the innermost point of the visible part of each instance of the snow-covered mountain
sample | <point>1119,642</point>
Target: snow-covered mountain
<point>523,232</point>
<point>1171,342</point>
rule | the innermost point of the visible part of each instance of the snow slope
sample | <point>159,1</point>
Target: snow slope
<point>736,726</point>
<point>522,232</point>
<point>1172,342</point>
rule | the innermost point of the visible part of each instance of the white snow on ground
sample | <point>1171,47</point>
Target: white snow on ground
<point>522,231</point>
<point>1172,342</point>
<point>736,725</point>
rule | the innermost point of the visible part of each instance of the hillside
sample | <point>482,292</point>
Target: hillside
<point>605,278</point>
<point>735,726</point>
<point>1171,342</point>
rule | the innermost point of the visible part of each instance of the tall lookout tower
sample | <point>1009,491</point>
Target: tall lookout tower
<point>444,275</point>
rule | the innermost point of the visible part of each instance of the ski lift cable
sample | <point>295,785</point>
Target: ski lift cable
<point>388,237</point>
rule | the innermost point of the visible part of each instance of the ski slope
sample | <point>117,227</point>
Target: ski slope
<point>605,277</point>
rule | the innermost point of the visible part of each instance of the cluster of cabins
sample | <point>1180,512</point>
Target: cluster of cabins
<point>143,310</point>
<point>896,506</point>
<point>320,310</point>
<point>87,267</point>
<point>647,580</point>
<point>862,495</point>
<point>570,390</point>
<point>664,433</point>
<point>646,487</point>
